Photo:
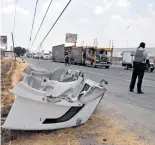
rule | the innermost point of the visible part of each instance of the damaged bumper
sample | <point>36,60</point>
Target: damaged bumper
<point>64,100</point>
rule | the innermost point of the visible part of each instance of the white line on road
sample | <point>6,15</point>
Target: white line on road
<point>127,102</point>
<point>129,73</point>
<point>115,78</point>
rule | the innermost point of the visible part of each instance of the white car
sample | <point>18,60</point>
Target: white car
<point>36,56</point>
<point>46,56</point>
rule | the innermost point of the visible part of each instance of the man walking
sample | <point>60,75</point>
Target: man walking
<point>67,59</point>
<point>139,64</point>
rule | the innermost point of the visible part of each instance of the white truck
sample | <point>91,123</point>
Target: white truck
<point>46,55</point>
<point>128,58</point>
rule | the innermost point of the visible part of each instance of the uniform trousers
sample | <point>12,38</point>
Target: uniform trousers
<point>137,72</point>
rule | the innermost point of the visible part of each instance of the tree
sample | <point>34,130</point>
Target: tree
<point>19,51</point>
<point>23,51</point>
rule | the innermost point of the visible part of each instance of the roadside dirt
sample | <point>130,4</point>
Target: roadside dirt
<point>11,74</point>
<point>7,70</point>
<point>98,130</point>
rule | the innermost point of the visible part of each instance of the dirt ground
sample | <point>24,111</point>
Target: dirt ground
<point>99,130</point>
<point>11,74</point>
<point>7,68</point>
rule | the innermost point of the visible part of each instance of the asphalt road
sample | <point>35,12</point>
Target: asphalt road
<point>136,112</point>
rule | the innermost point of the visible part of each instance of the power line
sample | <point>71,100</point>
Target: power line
<point>33,22</point>
<point>54,24</point>
<point>41,23</point>
<point>14,18</point>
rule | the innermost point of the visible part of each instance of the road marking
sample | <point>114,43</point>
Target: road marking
<point>127,102</point>
<point>118,78</point>
<point>149,78</point>
<point>129,73</point>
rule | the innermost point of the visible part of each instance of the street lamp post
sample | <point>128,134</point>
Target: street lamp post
<point>13,45</point>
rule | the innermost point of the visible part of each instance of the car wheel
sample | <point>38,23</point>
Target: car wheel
<point>107,67</point>
<point>126,67</point>
<point>152,69</point>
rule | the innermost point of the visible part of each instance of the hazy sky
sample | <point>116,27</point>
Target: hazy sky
<point>102,19</point>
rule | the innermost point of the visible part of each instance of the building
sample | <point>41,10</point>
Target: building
<point>2,53</point>
<point>7,55</point>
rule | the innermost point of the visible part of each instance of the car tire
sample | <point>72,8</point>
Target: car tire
<point>126,67</point>
<point>152,69</point>
<point>107,67</point>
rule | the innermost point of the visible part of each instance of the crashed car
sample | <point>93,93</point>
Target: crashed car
<point>151,68</point>
<point>53,104</point>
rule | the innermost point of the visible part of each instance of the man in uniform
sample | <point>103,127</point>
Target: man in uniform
<point>139,64</point>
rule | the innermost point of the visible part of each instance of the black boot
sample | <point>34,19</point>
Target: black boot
<point>140,92</point>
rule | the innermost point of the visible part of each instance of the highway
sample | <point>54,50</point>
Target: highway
<point>136,112</point>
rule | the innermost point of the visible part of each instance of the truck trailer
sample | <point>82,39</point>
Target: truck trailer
<point>90,56</point>
<point>58,52</point>
<point>77,55</point>
<point>87,56</point>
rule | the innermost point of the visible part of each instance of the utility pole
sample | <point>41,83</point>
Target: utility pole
<point>13,45</point>
<point>112,50</point>
<point>96,44</point>
<point>109,44</point>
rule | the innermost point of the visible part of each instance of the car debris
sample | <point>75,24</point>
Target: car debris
<point>65,99</point>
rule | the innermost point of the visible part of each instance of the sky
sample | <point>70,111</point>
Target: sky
<point>127,22</point>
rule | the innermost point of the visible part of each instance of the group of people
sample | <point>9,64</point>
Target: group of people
<point>140,62</point>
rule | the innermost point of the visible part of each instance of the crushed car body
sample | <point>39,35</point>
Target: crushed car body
<point>51,100</point>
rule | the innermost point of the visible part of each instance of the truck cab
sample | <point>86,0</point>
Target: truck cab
<point>97,57</point>
<point>46,56</point>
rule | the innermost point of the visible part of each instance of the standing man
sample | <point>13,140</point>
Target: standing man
<point>67,59</point>
<point>139,64</point>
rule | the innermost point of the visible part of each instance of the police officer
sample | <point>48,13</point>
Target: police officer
<point>139,65</point>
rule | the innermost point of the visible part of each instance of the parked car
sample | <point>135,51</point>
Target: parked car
<point>36,56</point>
<point>30,55</point>
<point>151,68</point>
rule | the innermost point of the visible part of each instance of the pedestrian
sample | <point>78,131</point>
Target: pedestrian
<point>67,59</point>
<point>141,58</point>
